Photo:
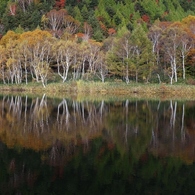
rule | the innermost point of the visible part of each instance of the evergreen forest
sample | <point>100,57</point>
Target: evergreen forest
<point>145,41</point>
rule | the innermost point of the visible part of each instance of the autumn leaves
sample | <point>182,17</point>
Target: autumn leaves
<point>34,55</point>
<point>166,50</point>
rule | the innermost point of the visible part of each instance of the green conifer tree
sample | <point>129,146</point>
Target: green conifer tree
<point>142,60</point>
<point>77,14</point>
<point>3,5</point>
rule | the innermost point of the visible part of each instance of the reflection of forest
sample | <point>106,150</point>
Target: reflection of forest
<point>119,144</point>
<point>172,133</point>
<point>165,128</point>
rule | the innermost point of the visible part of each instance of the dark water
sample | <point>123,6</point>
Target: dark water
<point>55,146</point>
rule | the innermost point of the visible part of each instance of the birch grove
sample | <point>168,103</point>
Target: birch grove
<point>165,52</point>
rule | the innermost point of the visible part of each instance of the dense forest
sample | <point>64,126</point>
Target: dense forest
<point>134,41</point>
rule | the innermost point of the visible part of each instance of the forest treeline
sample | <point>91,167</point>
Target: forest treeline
<point>141,41</point>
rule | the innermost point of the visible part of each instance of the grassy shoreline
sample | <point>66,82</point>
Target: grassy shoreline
<point>98,89</point>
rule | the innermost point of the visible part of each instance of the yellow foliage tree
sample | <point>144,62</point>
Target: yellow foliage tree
<point>10,36</point>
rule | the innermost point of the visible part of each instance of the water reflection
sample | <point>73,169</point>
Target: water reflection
<point>38,123</point>
<point>99,145</point>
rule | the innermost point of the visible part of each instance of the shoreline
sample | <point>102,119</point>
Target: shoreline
<point>98,89</point>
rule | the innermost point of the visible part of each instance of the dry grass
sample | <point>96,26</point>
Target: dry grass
<point>108,89</point>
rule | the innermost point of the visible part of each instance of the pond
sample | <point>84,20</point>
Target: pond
<point>66,146</point>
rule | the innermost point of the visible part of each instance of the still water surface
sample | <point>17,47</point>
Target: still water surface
<point>63,146</point>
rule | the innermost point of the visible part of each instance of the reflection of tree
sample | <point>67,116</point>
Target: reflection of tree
<point>171,134</point>
<point>39,115</point>
<point>162,127</point>
<point>129,126</point>
<point>102,170</point>
<point>38,121</point>
<point>24,121</point>
<point>95,147</point>
<point>65,112</point>
<point>182,125</point>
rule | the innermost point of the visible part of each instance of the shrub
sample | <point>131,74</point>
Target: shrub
<point>190,81</point>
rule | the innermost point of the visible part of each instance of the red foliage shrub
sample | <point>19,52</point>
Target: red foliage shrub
<point>146,18</point>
